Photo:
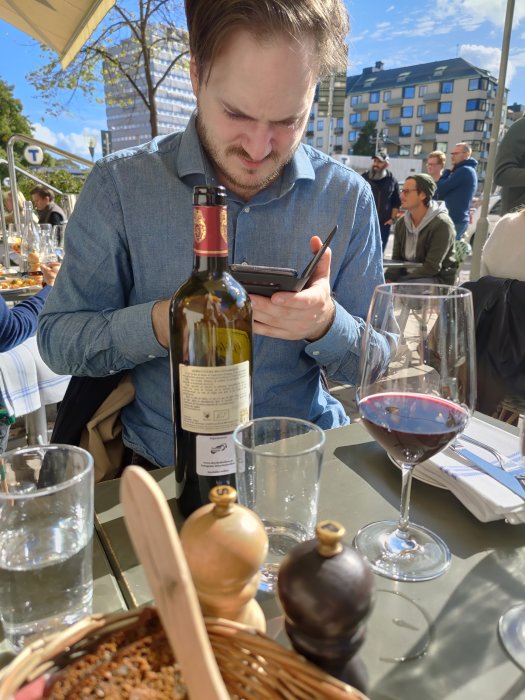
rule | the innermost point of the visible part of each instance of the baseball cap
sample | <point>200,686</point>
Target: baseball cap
<point>382,156</point>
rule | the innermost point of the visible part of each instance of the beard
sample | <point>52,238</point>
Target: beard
<point>246,187</point>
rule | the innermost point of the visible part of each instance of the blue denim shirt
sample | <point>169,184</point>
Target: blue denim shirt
<point>129,243</point>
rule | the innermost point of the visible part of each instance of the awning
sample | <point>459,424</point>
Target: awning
<point>63,25</point>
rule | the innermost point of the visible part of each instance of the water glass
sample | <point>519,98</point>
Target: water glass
<point>278,471</point>
<point>46,539</point>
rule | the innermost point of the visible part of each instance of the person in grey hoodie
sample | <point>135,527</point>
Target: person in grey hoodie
<point>425,234</point>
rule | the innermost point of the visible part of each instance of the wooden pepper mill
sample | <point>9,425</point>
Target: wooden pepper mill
<point>225,545</point>
<point>326,590</point>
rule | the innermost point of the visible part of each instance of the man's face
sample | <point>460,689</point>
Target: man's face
<point>410,197</point>
<point>39,202</point>
<point>434,168</point>
<point>252,111</point>
<point>458,155</point>
<point>378,165</point>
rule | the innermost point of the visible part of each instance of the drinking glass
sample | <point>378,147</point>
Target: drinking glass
<point>511,626</point>
<point>416,394</point>
<point>58,235</point>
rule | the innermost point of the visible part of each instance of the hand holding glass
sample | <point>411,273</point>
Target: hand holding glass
<point>416,394</point>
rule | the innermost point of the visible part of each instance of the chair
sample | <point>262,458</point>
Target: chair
<point>499,311</point>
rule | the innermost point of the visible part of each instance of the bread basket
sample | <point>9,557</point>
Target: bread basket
<point>253,666</point>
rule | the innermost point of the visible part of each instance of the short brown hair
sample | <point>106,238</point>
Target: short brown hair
<point>439,155</point>
<point>43,192</point>
<point>211,22</point>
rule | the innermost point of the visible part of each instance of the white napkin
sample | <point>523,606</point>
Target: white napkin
<point>486,498</point>
<point>26,382</point>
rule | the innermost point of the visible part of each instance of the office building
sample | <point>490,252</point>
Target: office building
<point>127,116</point>
<point>416,109</point>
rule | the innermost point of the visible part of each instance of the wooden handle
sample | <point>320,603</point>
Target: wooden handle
<point>156,542</point>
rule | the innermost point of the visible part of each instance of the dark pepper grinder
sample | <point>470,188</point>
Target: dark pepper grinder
<point>326,591</point>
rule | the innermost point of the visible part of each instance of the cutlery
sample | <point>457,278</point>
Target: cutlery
<point>505,478</point>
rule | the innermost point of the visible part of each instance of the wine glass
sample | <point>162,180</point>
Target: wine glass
<point>417,392</point>
<point>511,626</point>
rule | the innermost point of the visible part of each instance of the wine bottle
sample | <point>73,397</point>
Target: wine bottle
<point>30,244</point>
<point>210,357</point>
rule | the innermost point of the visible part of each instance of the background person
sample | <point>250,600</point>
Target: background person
<point>436,164</point>
<point>457,186</point>
<point>503,254</point>
<point>48,210</point>
<point>8,207</point>
<point>509,169</point>
<point>254,68</point>
<point>385,189</point>
<point>424,234</point>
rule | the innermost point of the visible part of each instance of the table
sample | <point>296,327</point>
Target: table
<point>410,265</point>
<point>464,660</point>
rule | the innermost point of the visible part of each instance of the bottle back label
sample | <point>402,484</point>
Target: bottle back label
<point>210,231</point>
<point>215,455</point>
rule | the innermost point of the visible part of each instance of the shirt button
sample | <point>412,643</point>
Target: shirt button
<point>246,210</point>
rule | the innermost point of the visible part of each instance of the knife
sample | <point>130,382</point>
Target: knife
<point>506,478</point>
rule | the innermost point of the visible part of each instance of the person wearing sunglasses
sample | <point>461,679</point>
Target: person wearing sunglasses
<point>425,234</point>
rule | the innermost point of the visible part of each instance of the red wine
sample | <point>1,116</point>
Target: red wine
<point>412,427</point>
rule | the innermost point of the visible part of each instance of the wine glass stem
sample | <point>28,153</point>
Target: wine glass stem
<point>406,485</point>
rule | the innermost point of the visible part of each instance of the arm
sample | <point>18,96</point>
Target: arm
<point>454,179</point>
<point>19,323</point>
<point>88,326</point>
<point>509,169</point>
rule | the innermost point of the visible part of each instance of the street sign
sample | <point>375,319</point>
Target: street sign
<point>34,155</point>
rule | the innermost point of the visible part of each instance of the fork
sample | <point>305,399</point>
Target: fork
<point>517,472</point>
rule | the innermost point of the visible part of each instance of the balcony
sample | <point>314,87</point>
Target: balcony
<point>395,101</point>
<point>393,121</point>
<point>338,130</point>
<point>428,137</point>
<point>360,107</point>
<point>432,96</point>
<point>357,125</point>
<point>431,117</point>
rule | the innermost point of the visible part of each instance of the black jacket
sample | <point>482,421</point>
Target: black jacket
<point>386,195</point>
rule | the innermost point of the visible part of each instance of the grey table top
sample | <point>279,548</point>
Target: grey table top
<point>454,616</point>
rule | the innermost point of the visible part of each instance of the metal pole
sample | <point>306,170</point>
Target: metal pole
<point>482,227</point>
<point>329,113</point>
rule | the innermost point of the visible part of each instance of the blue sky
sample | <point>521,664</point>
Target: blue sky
<point>398,33</point>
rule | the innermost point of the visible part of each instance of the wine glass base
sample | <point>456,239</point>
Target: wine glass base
<point>511,628</point>
<point>420,555</point>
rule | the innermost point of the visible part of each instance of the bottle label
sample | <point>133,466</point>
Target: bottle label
<point>214,400</point>
<point>210,231</point>
<point>215,455</point>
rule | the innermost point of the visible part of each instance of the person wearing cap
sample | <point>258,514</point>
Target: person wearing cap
<point>425,235</point>
<point>385,189</point>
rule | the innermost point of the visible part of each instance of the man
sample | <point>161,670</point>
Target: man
<point>254,68</point>
<point>48,210</point>
<point>385,189</point>
<point>509,170</point>
<point>436,164</point>
<point>425,234</point>
<point>458,185</point>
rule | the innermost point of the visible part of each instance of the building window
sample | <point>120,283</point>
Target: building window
<point>476,145</point>
<point>417,149</point>
<point>404,150</point>
<point>387,95</point>
<point>419,129</point>
<point>409,92</point>
<point>338,140</point>
<point>475,105</point>
<point>356,100</point>
<point>445,107</point>
<point>309,141</point>
<point>405,131</point>
<point>474,125</point>
<point>478,84</point>
<point>352,136</point>
<point>423,89</point>
<point>442,127</point>
<point>373,116</point>
<point>374,97</point>
<point>386,114</point>
<point>407,111</point>
<point>446,87</point>
<point>354,118</point>
<point>441,146</point>
<point>320,125</point>
<point>339,122</point>
<point>311,126</point>
<point>421,109</point>
<point>319,142</point>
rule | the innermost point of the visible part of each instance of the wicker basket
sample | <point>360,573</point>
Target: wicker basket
<point>253,666</point>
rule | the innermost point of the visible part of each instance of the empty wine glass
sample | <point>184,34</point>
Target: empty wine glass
<point>414,400</point>
<point>511,624</point>
<point>58,235</point>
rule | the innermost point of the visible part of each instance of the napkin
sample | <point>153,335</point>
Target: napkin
<point>26,382</point>
<point>484,497</point>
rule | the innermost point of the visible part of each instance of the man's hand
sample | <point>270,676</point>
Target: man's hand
<point>49,272</point>
<point>304,315</point>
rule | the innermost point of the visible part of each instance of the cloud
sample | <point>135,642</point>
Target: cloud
<point>74,143</point>
<point>472,13</point>
<point>488,58</point>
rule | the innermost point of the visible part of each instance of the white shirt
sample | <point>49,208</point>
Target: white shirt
<point>503,254</point>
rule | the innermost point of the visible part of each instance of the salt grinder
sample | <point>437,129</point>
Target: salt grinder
<point>225,545</point>
<point>326,590</point>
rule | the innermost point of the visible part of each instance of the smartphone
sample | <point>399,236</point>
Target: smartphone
<point>259,279</point>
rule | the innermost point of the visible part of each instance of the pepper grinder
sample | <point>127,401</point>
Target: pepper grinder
<point>225,545</point>
<point>326,588</point>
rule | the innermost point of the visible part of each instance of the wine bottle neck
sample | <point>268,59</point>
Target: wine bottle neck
<point>210,239</point>
<point>210,264</point>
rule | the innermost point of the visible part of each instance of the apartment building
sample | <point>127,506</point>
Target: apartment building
<point>127,116</point>
<point>416,109</point>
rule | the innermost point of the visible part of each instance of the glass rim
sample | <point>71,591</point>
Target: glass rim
<point>89,466</point>
<point>257,421</point>
<point>423,290</point>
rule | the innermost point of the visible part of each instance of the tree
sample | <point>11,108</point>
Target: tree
<point>124,46</point>
<point>366,142</point>
<point>12,121</point>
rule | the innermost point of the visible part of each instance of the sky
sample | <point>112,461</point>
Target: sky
<point>399,33</point>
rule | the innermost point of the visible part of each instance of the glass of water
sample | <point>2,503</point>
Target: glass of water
<point>278,471</point>
<point>46,539</point>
